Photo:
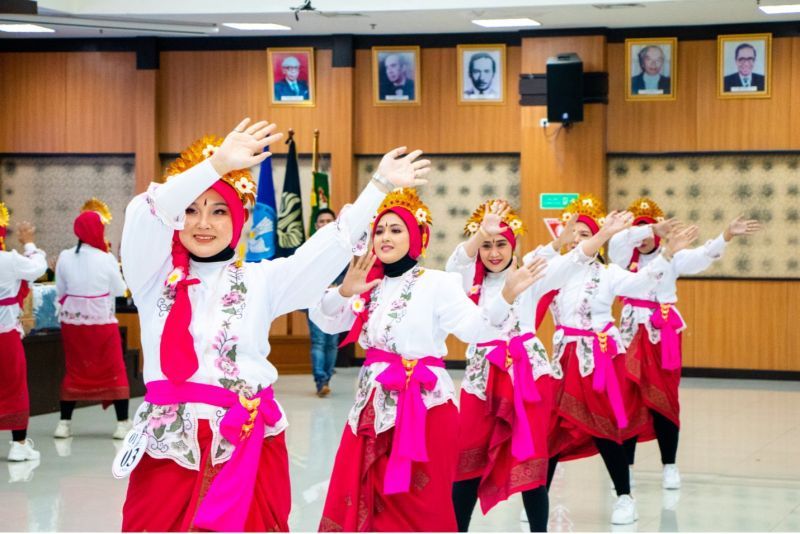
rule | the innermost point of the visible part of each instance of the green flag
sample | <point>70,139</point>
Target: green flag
<point>320,198</point>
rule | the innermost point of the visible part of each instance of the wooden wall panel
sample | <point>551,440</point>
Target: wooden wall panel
<point>147,162</point>
<point>33,102</point>
<point>99,115</point>
<point>439,124</point>
<point>667,126</point>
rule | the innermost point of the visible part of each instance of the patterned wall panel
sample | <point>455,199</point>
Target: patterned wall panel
<point>49,191</point>
<point>710,191</point>
<point>457,184</point>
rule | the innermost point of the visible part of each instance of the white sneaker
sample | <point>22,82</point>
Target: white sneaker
<point>123,427</point>
<point>63,447</point>
<point>63,429</point>
<point>624,512</point>
<point>21,471</point>
<point>672,477</point>
<point>20,452</point>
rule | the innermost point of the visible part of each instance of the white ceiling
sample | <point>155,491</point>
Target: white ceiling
<point>385,16</point>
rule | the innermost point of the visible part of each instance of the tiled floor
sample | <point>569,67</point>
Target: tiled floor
<point>739,457</point>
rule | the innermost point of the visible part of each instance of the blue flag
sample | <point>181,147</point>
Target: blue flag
<point>261,241</point>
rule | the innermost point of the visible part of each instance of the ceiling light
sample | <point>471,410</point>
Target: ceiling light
<point>780,9</point>
<point>252,26</point>
<point>24,28</point>
<point>506,23</point>
<point>136,25</point>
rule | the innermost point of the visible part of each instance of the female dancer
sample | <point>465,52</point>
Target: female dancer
<point>396,462</point>
<point>89,328</point>
<point>205,319</point>
<point>651,326</point>
<point>592,411</point>
<point>16,271</point>
<point>506,396</point>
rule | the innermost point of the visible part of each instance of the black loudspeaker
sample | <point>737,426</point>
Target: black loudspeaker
<point>565,88</point>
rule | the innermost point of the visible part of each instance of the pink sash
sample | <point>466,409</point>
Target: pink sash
<point>667,320</point>
<point>604,348</point>
<point>512,354</point>
<point>227,503</point>
<point>407,377</point>
<point>65,297</point>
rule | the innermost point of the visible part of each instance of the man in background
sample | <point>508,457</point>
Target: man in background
<point>291,88</point>
<point>482,70</point>
<point>397,85</point>
<point>650,81</point>
<point>744,79</point>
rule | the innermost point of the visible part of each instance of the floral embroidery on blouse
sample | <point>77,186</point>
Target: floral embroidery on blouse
<point>171,432</point>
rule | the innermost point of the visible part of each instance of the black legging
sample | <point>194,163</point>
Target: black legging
<point>19,435</point>
<point>535,501</point>
<point>667,436</point>
<point>120,406</point>
<point>616,461</point>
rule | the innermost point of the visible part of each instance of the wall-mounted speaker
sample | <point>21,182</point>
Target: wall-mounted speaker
<point>565,88</point>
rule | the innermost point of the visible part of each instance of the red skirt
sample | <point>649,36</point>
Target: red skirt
<point>484,438</point>
<point>14,402</point>
<point>355,501</point>
<point>163,496</point>
<point>658,387</point>
<point>95,367</point>
<point>583,414</point>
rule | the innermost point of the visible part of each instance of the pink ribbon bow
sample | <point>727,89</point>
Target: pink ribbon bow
<point>666,319</point>
<point>604,378</point>
<point>227,504</point>
<point>407,377</point>
<point>512,354</point>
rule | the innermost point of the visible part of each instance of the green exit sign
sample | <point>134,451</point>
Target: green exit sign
<point>555,201</point>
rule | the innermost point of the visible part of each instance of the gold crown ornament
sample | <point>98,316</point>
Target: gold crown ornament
<point>4,218</point>
<point>511,219</point>
<point>95,204</point>
<point>241,180</point>
<point>405,197</point>
<point>587,205</point>
<point>647,208</point>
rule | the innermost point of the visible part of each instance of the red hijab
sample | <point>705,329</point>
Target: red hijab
<point>480,268</point>
<point>88,227</point>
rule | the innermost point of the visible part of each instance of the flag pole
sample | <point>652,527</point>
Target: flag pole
<point>315,153</point>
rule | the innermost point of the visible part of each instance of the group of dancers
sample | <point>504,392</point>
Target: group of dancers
<point>207,447</point>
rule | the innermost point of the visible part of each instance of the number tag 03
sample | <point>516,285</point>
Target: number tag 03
<point>131,454</point>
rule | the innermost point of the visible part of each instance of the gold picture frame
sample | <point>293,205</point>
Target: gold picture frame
<point>399,82</point>
<point>472,90</point>
<point>283,92</point>
<point>733,80</point>
<point>642,54</point>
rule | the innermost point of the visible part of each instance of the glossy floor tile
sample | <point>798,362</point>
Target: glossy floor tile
<point>739,457</point>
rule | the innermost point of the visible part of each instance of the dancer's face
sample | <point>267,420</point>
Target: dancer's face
<point>647,246</point>
<point>582,233</point>
<point>209,227</point>
<point>391,240</point>
<point>496,253</point>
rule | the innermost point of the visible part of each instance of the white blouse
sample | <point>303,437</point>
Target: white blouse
<point>410,315</point>
<point>232,306</point>
<point>522,316</point>
<point>14,268</point>
<point>585,302</point>
<point>89,273</point>
<point>686,262</point>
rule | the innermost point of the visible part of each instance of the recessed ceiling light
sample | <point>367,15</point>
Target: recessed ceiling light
<point>506,23</point>
<point>24,28</point>
<point>782,9</point>
<point>253,26</point>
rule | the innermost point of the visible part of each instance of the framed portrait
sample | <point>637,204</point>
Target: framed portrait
<point>743,65</point>
<point>651,69</point>
<point>396,76</point>
<point>291,76</point>
<point>481,74</point>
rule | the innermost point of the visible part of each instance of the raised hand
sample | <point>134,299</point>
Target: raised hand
<point>404,171</point>
<point>741,226</point>
<point>567,233</point>
<point>26,232</point>
<point>493,217</point>
<point>663,228</point>
<point>680,239</point>
<point>355,281</point>
<point>520,279</point>
<point>617,221</point>
<point>243,147</point>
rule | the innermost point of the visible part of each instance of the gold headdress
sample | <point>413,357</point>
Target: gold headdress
<point>407,198</point>
<point>586,205</point>
<point>511,219</point>
<point>241,180</point>
<point>4,218</point>
<point>95,204</point>
<point>645,208</point>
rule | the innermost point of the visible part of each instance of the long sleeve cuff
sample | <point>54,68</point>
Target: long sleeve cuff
<point>637,234</point>
<point>715,247</point>
<point>355,218</point>
<point>29,249</point>
<point>333,302</point>
<point>173,197</point>
<point>460,257</point>
<point>497,311</point>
